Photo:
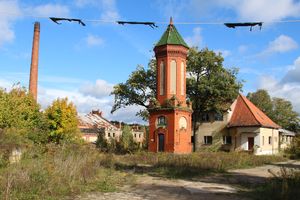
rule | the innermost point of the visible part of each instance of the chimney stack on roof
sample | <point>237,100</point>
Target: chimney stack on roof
<point>33,82</point>
<point>97,112</point>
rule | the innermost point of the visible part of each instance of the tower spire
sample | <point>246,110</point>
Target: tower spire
<point>171,21</point>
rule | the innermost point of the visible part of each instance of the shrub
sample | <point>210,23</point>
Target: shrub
<point>294,149</point>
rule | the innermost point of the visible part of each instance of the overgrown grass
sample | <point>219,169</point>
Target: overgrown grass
<point>53,172</point>
<point>190,165</point>
<point>284,186</point>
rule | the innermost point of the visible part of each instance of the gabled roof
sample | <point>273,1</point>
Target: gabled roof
<point>171,36</point>
<point>246,113</point>
<point>94,120</point>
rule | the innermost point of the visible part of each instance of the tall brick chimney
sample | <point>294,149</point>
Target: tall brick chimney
<point>33,82</point>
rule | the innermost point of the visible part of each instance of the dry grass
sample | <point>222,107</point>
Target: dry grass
<point>195,164</point>
<point>284,186</point>
<point>54,172</point>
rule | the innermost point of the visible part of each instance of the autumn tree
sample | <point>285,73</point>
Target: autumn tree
<point>63,121</point>
<point>20,115</point>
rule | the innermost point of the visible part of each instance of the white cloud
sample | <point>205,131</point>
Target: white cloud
<point>11,11</point>
<point>87,103</point>
<point>281,44</point>
<point>293,74</point>
<point>242,49</point>
<point>94,40</point>
<point>245,10</point>
<point>289,91</point>
<point>100,89</point>
<point>82,3</point>
<point>266,10</point>
<point>110,11</point>
<point>196,39</point>
<point>108,8</point>
<point>55,10</point>
<point>224,53</point>
<point>288,87</point>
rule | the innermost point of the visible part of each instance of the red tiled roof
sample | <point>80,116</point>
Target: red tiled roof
<point>246,113</point>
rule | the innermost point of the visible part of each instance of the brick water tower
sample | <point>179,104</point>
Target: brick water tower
<point>170,124</point>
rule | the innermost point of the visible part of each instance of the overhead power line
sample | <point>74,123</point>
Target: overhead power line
<point>151,24</point>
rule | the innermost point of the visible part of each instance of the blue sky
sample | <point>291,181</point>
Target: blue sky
<point>83,63</point>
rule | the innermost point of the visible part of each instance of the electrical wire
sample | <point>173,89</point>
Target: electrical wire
<point>158,22</point>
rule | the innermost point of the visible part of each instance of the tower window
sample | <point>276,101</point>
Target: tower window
<point>182,76</point>
<point>162,78</point>
<point>173,77</point>
<point>162,120</point>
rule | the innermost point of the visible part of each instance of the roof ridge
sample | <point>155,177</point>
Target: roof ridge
<point>243,98</point>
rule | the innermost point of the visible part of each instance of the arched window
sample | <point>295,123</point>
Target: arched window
<point>182,123</point>
<point>173,77</point>
<point>182,75</point>
<point>162,78</point>
<point>161,120</point>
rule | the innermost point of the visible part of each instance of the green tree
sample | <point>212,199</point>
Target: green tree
<point>126,140</point>
<point>19,113</point>
<point>101,142</point>
<point>137,90</point>
<point>210,86</point>
<point>263,101</point>
<point>63,121</point>
<point>284,114</point>
<point>278,109</point>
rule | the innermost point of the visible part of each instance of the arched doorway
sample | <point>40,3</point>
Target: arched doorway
<point>161,142</point>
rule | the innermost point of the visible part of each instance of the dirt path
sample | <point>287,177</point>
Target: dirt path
<point>218,186</point>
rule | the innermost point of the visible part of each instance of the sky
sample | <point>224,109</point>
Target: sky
<point>84,63</point>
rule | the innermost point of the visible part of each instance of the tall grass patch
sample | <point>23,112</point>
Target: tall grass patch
<point>53,172</point>
<point>189,165</point>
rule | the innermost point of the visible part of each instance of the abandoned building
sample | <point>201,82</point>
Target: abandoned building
<point>243,128</point>
<point>92,123</point>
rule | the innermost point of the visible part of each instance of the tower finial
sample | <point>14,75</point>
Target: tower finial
<point>171,21</point>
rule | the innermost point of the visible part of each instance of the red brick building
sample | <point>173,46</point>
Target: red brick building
<point>170,125</point>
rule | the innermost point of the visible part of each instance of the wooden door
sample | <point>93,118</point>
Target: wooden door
<point>250,143</point>
<point>161,142</point>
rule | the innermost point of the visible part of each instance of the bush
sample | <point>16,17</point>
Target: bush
<point>294,149</point>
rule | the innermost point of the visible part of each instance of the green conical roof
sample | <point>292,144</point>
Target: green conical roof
<point>171,36</point>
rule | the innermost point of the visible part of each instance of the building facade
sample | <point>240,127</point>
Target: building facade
<point>243,128</point>
<point>170,124</point>
<point>90,125</point>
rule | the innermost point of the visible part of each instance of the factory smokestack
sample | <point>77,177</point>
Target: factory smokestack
<point>34,61</point>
